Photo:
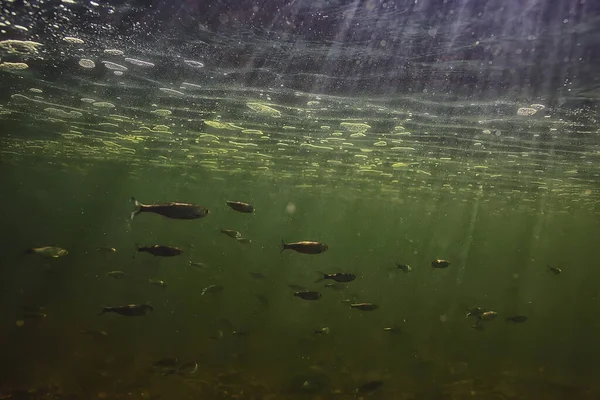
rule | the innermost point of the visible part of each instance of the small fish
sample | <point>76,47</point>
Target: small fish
<point>308,295</point>
<point>157,282</point>
<point>257,275</point>
<point>48,251</point>
<point>171,210</point>
<point>489,315</point>
<point>305,247</point>
<point>34,315</point>
<point>212,289</point>
<point>231,233</point>
<point>243,240</point>
<point>159,250</point>
<point>341,277</point>
<point>555,270</point>
<point>440,264</point>
<point>322,331</point>
<point>405,268</point>
<point>367,387</point>
<point>93,333</point>
<point>116,274</point>
<point>130,310</point>
<point>364,306</point>
<point>517,319</point>
<point>241,207</point>
<point>475,312</point>
<point>189,368</point>
<point>104,249</point>
<point>391,329</point>
<point>198,264</point>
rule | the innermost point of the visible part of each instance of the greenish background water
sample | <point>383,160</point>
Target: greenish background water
<point>499,261</point>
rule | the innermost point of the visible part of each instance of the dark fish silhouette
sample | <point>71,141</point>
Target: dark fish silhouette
<point>555,270</point>
<point>171,210</point>
<point>241,207</point>
<point>517,319</point>
<point>341,277</point>
<point>130,310</point>
<point>404,267</point>
<point>231,233</point>
<point>440,264</point>
<point>308,295</point>
<point>365,306</point>
<point>159,250</point>
<point>305,247</point>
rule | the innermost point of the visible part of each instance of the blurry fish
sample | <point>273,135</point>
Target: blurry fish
<point>308,295</point>
<point>257,275</point>
<point>34,315</point>
<point>93,333</point>
<point>475,312</point>
<point>48,251</point>
<point>105,249</point>
<point>232,233</point>
<point>391,329</point>
<point>440,264</point>
<point>555,270</point>
<point>157,282</point>
<point>364,306</point>
<point>517,319</point>
<point>116,274</point>
<point>212,289</point>
<point>243,240</point>
<point>130,310</point>
<point>322,331</point>
<point>305,247</point>
<point>368,387</point>
<point>171,210</point>
<point>405,268</point>
<point>188,368</point>
<point>489,315</point>
<point>241,207</point>
<point>341,277</point>
<point>159,250</point>
<point>198,264</point>
<point>333,286</point>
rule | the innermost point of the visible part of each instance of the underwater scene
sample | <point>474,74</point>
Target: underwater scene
<point>300,199</point>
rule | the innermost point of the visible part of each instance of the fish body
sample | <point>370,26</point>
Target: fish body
<point>160,250</point>
<point>308,295</point>
<point>116,274</point>
<point>405,268</point>
<point>305,247</point>
<point>48,251</point>
<point>241,207</point>
<point>518,319</point>
<point>171,210</point>
<point>475,312</point>
<point>198,264</point>
<point>489,315</point>
<point>212,289</point>
<point>129,310</point>
<point>341,277</point>
<point>243,240</point>
<point>554,270</point>
<point>322,331</point>
<point>231,233</point>
<point>364,306</point>
<point>440,264</point>
<point>157,282</point>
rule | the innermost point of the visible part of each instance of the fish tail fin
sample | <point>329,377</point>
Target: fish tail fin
<point>283,246</point>
<point>322,277</point>
<point>137,208</point>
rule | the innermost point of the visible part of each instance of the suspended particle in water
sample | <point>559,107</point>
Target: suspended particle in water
<point>87,63</point>
<point>290,208</point>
